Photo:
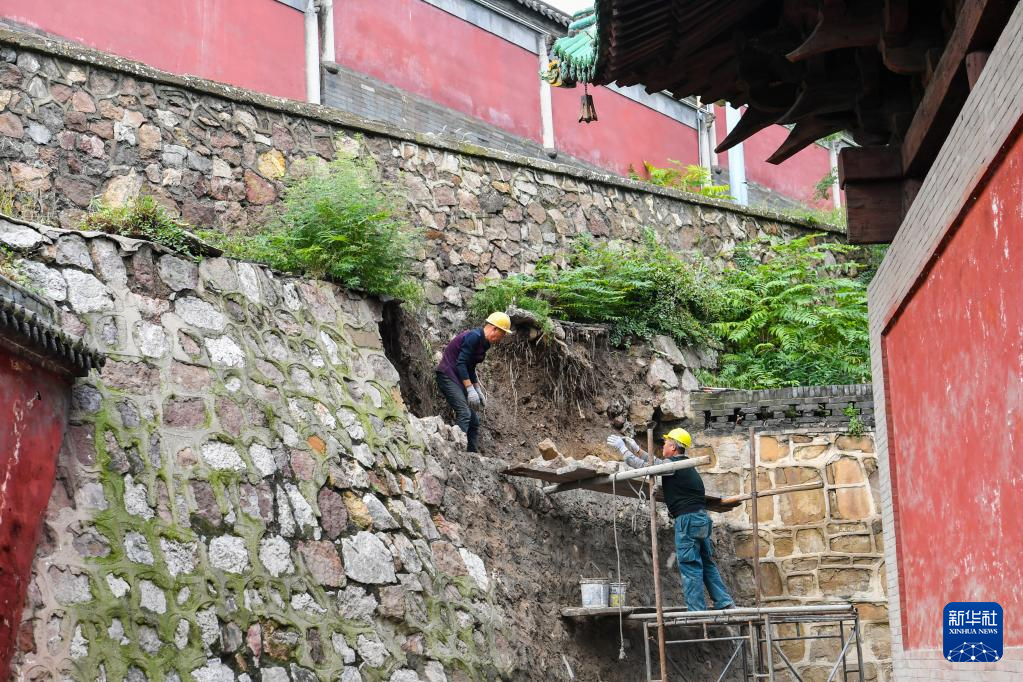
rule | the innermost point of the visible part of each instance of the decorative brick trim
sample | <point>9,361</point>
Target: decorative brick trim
<point>800,407</point>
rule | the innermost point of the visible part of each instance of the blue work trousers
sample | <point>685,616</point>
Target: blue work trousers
<point>693,551</point>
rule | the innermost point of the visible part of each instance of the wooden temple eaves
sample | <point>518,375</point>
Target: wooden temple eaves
<point>894,74</point>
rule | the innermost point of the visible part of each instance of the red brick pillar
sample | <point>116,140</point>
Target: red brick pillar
<point>38,363</point>
<point>33,414</point>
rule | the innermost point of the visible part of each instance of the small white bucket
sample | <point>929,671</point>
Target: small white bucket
<point>594,592</point>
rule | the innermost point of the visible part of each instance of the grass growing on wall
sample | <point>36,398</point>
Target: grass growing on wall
<point>142,218</point>
<point>340,224</point>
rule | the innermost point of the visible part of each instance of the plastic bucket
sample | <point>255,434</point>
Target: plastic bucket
<point>617,594</point>
<point>594,592</point>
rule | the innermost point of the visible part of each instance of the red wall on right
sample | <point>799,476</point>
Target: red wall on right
<point>953,359</point>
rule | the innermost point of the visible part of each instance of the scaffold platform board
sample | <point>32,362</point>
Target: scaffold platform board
<point>586,612</point>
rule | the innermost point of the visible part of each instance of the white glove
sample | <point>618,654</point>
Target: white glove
<point>479,392</point>
<point>618,443</point>
<point>632,445</point>
<point>475,400</point>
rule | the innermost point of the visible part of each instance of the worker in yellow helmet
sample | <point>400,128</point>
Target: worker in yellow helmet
<point>685,495</point>
<point>456,373</point>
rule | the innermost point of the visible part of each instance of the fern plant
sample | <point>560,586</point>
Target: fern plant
<point>637,290</point>
<point>690,178</point>
<point>798,319</point>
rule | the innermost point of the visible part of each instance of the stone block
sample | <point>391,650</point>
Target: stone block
<point>447,559</point>
<point>782,547</point>
<point>794,649</point>
<point>804,585</point>
<point>802,507</point>
<point>810,541</point>
<point>845,470</point>
<point>770,579</point>
<point>844,582</point>
<point>855,443</point>
<point>772,449</point>
<point>184,412</point>
<point>806,452</point>
<point>859,544</point>
<point>322,561</point>
<point>367,559</point>
<point>851,503</point>
<point>744,545</point>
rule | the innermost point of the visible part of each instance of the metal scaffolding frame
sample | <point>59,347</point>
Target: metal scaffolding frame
<point>753,629</point>
<point>754,632</point>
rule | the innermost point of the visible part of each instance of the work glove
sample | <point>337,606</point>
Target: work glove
<point>618,443</point>
<point>632,445</point>
<point>475,400</point>
<point>483,397</point>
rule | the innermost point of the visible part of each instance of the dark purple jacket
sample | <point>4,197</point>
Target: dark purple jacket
<point>462,354</point>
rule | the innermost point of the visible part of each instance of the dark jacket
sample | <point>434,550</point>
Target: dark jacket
<point>462,354</point>
<point>684,491</point>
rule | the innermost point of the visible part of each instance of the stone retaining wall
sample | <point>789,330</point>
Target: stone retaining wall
<point>76,124</point>
<point>242,496</point>
<point>241,492</point>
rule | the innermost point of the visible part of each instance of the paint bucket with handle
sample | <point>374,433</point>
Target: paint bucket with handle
<point>617,594</point>
<point>594,590</point>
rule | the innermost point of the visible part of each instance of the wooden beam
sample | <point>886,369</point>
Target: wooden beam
<point>977,26</point>
<point>826,97</point>
<point>839,26</point>
<point>622,476</point>
<point>869,164</point>
<point>807,131</point>
<point>876,209</point>
<point>751,123</point>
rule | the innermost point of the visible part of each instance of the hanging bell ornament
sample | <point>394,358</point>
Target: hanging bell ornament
<point>587,112</point>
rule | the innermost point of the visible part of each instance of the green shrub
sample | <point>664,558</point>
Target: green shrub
<point>340,224</point>
<point>142,218</point>
<point>796,320</point>
<point>692,178</point>
<point>637,290</point>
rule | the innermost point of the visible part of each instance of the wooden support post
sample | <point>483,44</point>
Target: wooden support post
<point>656,559</point>
<point>777,491</point>
<point>753,512</point>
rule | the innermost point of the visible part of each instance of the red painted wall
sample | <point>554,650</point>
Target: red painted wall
<point>255,44</point>
<point>794,178</point>
<point>625,132</point>
<point>424,50</point>
<point>954,373</point>
<point>477,73</point>
<point>33,413</point>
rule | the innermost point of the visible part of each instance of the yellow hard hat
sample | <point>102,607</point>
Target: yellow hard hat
<point>680,436</point>
<point>501,321</point>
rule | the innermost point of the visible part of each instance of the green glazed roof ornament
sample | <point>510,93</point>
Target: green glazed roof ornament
<point>573,58</point>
